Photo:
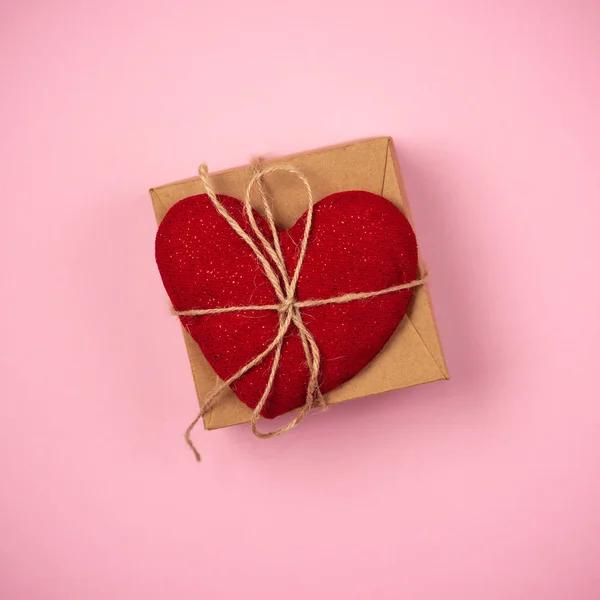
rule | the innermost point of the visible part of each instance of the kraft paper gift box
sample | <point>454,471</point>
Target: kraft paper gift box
<point>413,355</point>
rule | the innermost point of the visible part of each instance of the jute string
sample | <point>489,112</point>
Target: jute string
<point>288,307</point>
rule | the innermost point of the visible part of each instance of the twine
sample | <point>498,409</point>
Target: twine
<point>288,306</point>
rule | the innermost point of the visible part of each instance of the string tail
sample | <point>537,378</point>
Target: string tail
<point>188,436</point>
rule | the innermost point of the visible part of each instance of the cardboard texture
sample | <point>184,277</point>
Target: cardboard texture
<point>413,355</point>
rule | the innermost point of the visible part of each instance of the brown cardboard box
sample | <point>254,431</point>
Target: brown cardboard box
<point>413,355</point>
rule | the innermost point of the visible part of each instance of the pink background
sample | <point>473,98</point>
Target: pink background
<point>483,487</point>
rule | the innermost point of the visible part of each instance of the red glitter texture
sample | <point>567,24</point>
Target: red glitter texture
<point>359,242</point>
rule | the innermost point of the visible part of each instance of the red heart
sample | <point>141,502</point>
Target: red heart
<point>359,242</point>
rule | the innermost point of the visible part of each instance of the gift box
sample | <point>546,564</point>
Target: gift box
<point>412,355</point>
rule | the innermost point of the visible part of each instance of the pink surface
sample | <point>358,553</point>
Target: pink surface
<point>485,486</point>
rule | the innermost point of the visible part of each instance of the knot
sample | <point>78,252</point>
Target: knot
<point>288,306</point>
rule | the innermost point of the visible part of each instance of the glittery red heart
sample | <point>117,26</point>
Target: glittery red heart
<point>359,242</point>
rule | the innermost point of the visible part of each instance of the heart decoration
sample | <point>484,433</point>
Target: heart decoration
<point>359,242</point>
